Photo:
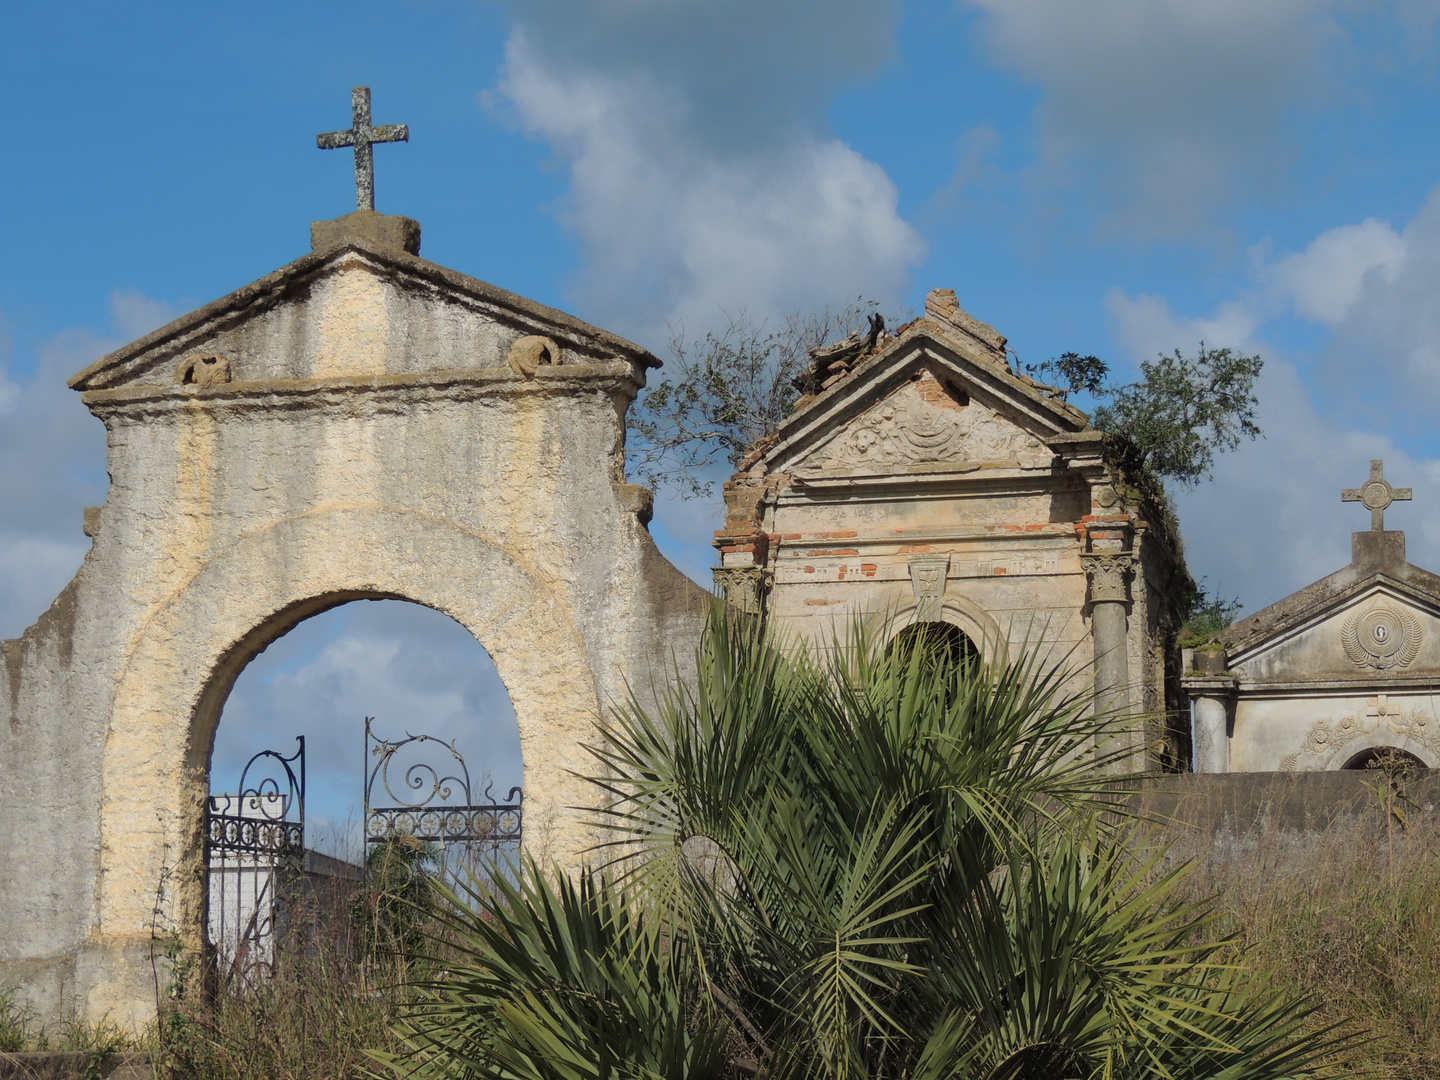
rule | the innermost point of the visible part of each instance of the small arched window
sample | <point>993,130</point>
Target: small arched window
<point>941,639</point>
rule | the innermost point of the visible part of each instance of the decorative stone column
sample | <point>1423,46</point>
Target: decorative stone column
<point>1212,690</point>
<point>1109,573</point>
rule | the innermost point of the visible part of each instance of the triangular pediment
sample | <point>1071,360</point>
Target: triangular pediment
<point>1374,631</point>
<point>358,309</point>
<point>925,402</point>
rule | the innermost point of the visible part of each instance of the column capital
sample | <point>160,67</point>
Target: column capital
<point>1109,573</point>
<point>743,587</point>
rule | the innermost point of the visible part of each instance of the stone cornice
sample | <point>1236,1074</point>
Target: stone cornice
<point>1367,685</point>
<point>616,377</point>
<point>1198,684</point>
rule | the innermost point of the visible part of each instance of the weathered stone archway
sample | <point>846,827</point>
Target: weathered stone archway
<point>370,425</point>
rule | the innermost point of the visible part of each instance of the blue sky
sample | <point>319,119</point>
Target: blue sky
<point>1117,177</point>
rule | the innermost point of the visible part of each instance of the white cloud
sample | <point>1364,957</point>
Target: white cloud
<point>702,178</point>
<point>1145,326</point>
<point>1378,291</point>
<point>1168,107</point>
<point>1271,521</point>
<point>1324,281</point>
<point>134,314</point>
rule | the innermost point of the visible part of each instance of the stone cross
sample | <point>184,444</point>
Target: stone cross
<point>361,136</point>
<point>1376,495</point>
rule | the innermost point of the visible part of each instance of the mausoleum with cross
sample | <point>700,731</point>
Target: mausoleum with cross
<point>1335,676</point>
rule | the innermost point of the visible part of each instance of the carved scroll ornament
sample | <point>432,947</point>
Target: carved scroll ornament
<point>927,579</point>
<point>202,370</point>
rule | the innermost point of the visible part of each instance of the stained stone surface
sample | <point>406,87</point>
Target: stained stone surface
<point>373,440</point>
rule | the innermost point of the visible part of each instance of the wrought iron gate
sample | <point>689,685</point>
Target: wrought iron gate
<point>254,856</point>
<point>435,803</point>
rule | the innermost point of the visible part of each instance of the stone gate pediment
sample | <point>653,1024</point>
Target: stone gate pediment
<point>356,309</point>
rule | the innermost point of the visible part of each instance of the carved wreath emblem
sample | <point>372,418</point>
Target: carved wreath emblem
<point>1383,638</point>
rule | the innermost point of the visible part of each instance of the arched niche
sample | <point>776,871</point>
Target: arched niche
<point>1365,748</point>
<point>1385,756</point>
<point>968,617</point>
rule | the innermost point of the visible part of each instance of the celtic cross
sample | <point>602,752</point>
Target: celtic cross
<point>361,136</point>
<point>1376,495</point>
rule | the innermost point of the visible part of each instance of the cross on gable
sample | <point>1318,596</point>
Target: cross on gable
<point>1376,495</point>
<point>362,136</point>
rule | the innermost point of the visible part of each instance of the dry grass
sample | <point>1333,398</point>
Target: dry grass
<point>1350,915</point>
<point>312,1020</point>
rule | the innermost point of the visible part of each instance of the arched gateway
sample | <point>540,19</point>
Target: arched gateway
<point>361,423</point>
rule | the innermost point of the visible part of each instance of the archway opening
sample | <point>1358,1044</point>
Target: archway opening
<point>405,724</point>
<point>941,641</point>
<point>1389,759</point>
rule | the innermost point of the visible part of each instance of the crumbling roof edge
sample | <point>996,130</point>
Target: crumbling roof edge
<point>1065,418</point>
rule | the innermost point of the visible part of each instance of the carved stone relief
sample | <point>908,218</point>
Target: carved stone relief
<point>927,579</point>
<point>1324,739</point>
<point>1383,638</point>
<point>203,369</point>
<point>906,429</point>
<point>742,587</point>
<point>1109,576</point>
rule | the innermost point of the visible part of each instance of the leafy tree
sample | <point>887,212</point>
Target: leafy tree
<point>720,396</point>
<point>1182,411</point>
<point>883,863</point>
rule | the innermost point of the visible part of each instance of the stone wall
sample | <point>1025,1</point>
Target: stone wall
<point>375,448</point>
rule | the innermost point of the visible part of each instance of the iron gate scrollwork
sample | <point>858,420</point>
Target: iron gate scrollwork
<point>434,802</point>
<point>254,855</point>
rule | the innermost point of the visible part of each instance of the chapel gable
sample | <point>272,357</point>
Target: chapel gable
<point>932,418</point>
<point>1381,631</point>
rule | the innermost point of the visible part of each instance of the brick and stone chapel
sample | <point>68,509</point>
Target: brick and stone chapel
<point>927,482</point>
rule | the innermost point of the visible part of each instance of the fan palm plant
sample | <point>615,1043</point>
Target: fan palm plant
<point>874,863</point>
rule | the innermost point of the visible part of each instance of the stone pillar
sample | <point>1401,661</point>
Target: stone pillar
<point>1109,574</point>
<point>1212,690</point>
